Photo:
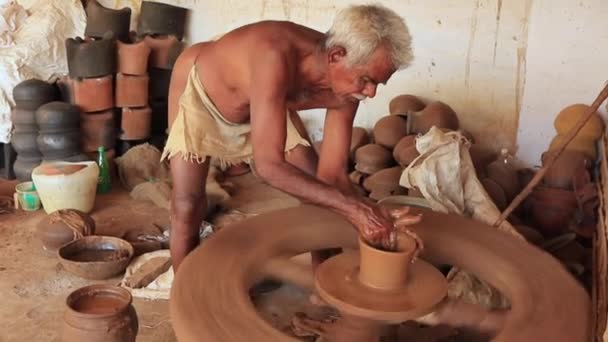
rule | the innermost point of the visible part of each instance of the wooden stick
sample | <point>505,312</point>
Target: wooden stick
<point>553,156</point>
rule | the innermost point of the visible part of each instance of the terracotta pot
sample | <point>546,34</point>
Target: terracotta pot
<point>159,117</point>
<point>436,114</point>
<point>97,130</point>
<point>97,313</point>
<point>133,58</point>
<point>467,135</point>
<point>372,158</point>
<point>164,51</point>
<point>481,157</point>
<point>374,265</point>
<point>359,138</point>
<point>96,257</point>
<point>564,169</point>
<point>159,18</point>
<point>31,94</point>
<point>24,166</point>
<point>59,144</point>
<point>160,79</point>
<point>63,226</point>
<point>25,144</point>
<point>57,116</point>
<point>101,20</point>
<point>389,130</point>
<point>569,116</point>
<point>405,151</point>
<point>24,120</point>
<point>131,91</point>
<point>552,210</point>
<point>405,104</point>
<point>91,58</point>
<point>384,180</point>
<point>135,123</point>
<point>579,144</point>
<point>505,176</point>
<point>92,94</point>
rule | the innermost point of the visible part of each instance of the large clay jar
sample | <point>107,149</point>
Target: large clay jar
<point>25,144</point>
<point>552,209</point>
<point>436,114</point>
<point>63,226</point>
<point>91,58</point>
<point>101,20</point>
<point>405,104</point>
<point>133,58</point>
<point>135,123</point>
<point>565,167</point>
<point>131,90</point>
<point>93,94</point>
<point>100,313</point>
<point>372,158</point>
<point>159,117</point>
<point>57,116</point>
<point>160,80</point>
<point>157,18</point>
<point>505,176</point>
<point>96,130</point>
<point>24,120</point>
<point>24,166</point>
<point>31,94</point>
<point>358,138</point>
<point>405,151</point>
<point>581,144</point>
<point>385,183</point>
<point>389,130</point>
<point>164,51</point>
<point>569,116</point>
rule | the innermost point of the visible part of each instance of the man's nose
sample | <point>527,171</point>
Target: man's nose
<point>370,90</point>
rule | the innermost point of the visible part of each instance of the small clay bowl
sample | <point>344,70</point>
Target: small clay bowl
<point>96,257</point>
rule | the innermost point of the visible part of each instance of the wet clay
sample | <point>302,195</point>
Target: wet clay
<point>544,296</point>
<point>389,130</point>
<point>405,104</point>
<point>436,114</point>
<point>372,158</point>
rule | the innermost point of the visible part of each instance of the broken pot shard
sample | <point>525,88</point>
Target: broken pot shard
<point>135,123</point>
<point>132,57</point>
<point>101,20</point>
<point>131,91</point>
<point>389,130</point>
<point>161,19</point>
<point>372,158</point>
<point>91,58</point>
<point>405,104</point>
<point>405,152</point>
<point>436,114</point>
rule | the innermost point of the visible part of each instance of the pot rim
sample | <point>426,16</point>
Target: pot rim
<point>118,242</point>
<point>98,288</point>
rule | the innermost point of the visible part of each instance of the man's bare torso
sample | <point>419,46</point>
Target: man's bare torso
<point>224,67</point>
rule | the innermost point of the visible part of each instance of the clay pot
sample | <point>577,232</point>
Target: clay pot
<point>59,144</point>
<point>505,176</point>
<point>405,104</point>
<point>92,94</point>
<point>63,226</point>
<point>481,158</point>
<point>96,257</point>
<point>24,120</point>
<point>131,91</point>
<point>57,116</point>
<point>375,263</point>
<point>357,177</point>
<point>91,58</point>
<point>33,93</point>
<point>135,123</point>
<point>358,138</point>
<point>436,114</point>
<point>552,209</point>
<point>496,193</point>
<point>389,130</point>
<point>99,313</point>
<point>164,51</point>
<point>569,116</point>
<point>24,166</point>
<point>133,58</point>
<point>157,18</point>
<point>405,151</point>
<point>160,117</point>
<point>386,179</point>
<point>372,158</point>
<point>101,20</point>
<point>25,144</point>
<point>160,79</point>
<point>564,169</point>
<point>531,234</point>
<point>97,130</point>
<point>579,144</point>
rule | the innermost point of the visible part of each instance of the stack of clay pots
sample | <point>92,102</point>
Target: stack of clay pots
<point>29,95</point>
<point>59,132</point>
<point>162,28</point>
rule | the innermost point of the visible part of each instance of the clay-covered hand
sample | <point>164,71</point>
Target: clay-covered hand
<point>402,220</point>
<point>374,223</point>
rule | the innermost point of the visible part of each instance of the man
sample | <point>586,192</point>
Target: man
<point>234,100</point>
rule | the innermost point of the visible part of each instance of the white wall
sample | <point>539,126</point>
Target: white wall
<point>506,67</point>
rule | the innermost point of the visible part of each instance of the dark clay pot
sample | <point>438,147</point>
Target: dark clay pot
<point>158,18</point>
<point>93,94</point>
<point>59,144</point>
<point>552,210</point>
<point>33,93</point>
<point>135,123</point>
<point>159,117</point>
<point>87,58</point>
<point>164,51</point>
<point>101,20</point>
<point>23,167</point>
<point>97,130</point>
<point>131,91</point>
<point>160,80</point>
<point>57,116</point>
<point>100,313</point>
<point>132,57</point>
<point>54,231</point>
<point>24,120</point>
<point>25,144</point>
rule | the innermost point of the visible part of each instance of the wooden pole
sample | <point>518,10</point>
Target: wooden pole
<point>553,156</point>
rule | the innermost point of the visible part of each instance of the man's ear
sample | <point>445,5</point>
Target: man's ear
<point>336,54</point>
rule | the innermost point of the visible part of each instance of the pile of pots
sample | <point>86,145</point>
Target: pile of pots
<point>28,95</point>
<point>59,132</point>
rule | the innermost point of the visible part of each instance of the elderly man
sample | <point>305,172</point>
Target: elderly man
<point>235,99</point>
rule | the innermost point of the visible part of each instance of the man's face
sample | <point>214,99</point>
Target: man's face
<point>358,82</point>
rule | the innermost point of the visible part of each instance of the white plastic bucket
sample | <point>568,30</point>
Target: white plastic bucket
<point>73,191</point>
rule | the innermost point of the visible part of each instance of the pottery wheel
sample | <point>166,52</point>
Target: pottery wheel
<point>338,284</point>
<point>210,299</point>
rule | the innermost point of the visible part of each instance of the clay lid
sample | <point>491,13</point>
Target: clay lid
<point>579,143</point>
<point>565,167</point>
<point>372,158</point>
<point>496,193</point>
<point>405,151</point>
<point>569,116</point>
<point>32,93</point>
<point>385,179</point>
<point>436,114</point>
<point>504,176</point>
<point>389,130</point>
<point>159,18</point>
<point>405,104</point>
<point>359,138</point>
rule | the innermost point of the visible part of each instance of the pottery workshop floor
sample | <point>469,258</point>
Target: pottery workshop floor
<point>34,285</point>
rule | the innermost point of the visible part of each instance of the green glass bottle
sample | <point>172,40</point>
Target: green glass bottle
<point>104,183</point>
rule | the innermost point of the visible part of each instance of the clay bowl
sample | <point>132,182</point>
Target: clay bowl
<point>405,104</point>
<point>96,257</point>
<point>385,270</point>
<point>389,130</point>
<point>565,167</point>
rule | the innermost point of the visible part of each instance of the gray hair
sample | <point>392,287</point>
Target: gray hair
<point>360,29</point>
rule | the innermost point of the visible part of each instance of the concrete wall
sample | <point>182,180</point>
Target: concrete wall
<point>506,67</point>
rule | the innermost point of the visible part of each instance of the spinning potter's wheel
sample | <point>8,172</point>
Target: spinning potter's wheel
<point>210,301</point>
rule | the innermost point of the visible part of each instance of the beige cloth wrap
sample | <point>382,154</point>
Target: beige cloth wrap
<point>200,131</point>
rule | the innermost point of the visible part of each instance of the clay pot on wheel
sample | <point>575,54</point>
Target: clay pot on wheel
<point>63,226</point>
<point>405,104</point>
<point>436,114</point>
<point>163,51</point>
<point>97,130</point>
<point>405,152</point>
<point>33,93</point>
<point>101,20</point>
<point>100,313</point>
<point>374,263</point>
<point>133,58</point>
<point>372,158</point>
<point>88,58</point>
<point>92,94</point>
<point>160,18</point>
<point>389,130</point>
<point>135,123</point>
<point>131,91</point>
